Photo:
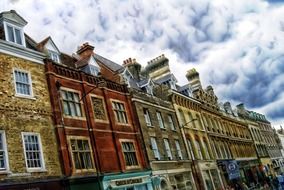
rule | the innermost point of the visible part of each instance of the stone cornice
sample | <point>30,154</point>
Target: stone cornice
<point>21,52</point>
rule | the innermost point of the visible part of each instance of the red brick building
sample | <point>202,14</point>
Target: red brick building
<point>99,139</point>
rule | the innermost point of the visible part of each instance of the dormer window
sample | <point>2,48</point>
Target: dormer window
<point>14,34</point>
<point>54,56</point>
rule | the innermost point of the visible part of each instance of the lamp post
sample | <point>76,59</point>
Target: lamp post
<point>190,154</point>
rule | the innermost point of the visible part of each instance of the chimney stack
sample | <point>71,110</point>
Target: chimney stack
<point>85,50</point>
<point>193,78</point>
<point>133,67</point>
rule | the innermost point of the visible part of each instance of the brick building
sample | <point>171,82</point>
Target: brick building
<point>98,135</point>
<point>170,164</point>
<point>28,146</point>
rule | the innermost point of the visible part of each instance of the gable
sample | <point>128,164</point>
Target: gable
<point>51,46</point>
<point>13,18</point>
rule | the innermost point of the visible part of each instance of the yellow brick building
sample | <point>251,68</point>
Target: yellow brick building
<point>28,148</point>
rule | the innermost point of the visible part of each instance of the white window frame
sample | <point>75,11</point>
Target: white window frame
<point>30,83</point>
<point>160,120</point>
<point>168,148</point>
<point>147,117</point>
<point>179,153</point>
<point>42,168</point>
<point>171,122</point>
<point>6,159</point>
<point>53,55</point>
<point>6,24</point>
<point>155,148</point>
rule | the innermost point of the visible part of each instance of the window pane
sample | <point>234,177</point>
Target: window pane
<point>11,37</point>
<point>32,150</point>
<point>18,36</point>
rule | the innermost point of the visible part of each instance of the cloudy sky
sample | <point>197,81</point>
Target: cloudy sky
<point>237,46</point>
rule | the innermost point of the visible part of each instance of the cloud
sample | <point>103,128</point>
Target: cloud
<point>237,46</point>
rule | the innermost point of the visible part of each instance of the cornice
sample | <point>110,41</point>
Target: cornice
<point>21,52</point>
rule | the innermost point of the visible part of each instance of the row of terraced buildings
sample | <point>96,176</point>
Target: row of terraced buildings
<point>82,121</point>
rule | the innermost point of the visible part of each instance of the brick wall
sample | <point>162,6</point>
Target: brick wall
<point>19,115</point>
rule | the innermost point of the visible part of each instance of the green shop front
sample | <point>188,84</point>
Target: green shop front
<point>128,181</point>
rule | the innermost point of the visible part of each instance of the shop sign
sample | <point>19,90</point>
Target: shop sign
<point>128,181</point>
<point>233,169</point>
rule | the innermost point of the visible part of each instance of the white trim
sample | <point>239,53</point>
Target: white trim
<point>30,83</point>
<point>23,41</point>
<point>42,168</point>
<point>21,52</point>
<point>6,160</point>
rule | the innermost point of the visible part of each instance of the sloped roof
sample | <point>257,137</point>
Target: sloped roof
<point>108,63</point>
<point>164,78</point>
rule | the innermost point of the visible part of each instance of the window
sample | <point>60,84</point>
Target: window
<point>33,151</point>
<point>129,154</point>
<point>190,146</point>
<point>3,152</point>
<point>168,149</point>
<point>199,150</point>
<point>182,118</point>
<point>14,34</point>
<point>160,120</point>
<point>81,154</point>
<point>54,56</point>
<point>120,113</point>
<point>199,121</point>
<point>191,120</point>
<point>171,122</point>
<point>71,103</point>
<point>147,117</point>
<point>23,83</point>
<point>99,108</point>
<point>155,148</point>
<point>179,153</point>
<point>207,154</point>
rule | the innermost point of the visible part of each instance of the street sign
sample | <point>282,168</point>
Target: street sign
<point>233,169</point>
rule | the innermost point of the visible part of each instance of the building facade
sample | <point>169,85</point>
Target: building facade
<point>28,148</point>
<point>164,145</point>
<point>188,110</point>
<point>99,138</point>
<point>268,150</point>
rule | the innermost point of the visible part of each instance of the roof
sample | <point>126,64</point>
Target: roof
<point>108,63</point>
<point>165,78</point>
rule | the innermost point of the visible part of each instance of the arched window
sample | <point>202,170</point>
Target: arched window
<point>191,119</point>
<point>190,146</point>
<point>207,154</point>
<point>199,149</point>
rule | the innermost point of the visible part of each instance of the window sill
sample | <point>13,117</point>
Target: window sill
<point>40,170</point>
<point>25,96</point>
<point>80,171</point>
<point>5,172</point>
<point>74,117</point>
<point>132,167</point>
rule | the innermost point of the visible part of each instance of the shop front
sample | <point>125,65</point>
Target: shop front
<point>173,180</point>
<point>128,181</point>
<point>86,183</point>
<point>267,166</point>
<point>249,172</point>
<point>38,185</point>
<point>210,175</point>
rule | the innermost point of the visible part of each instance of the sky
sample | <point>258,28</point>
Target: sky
<point>237,46</point>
